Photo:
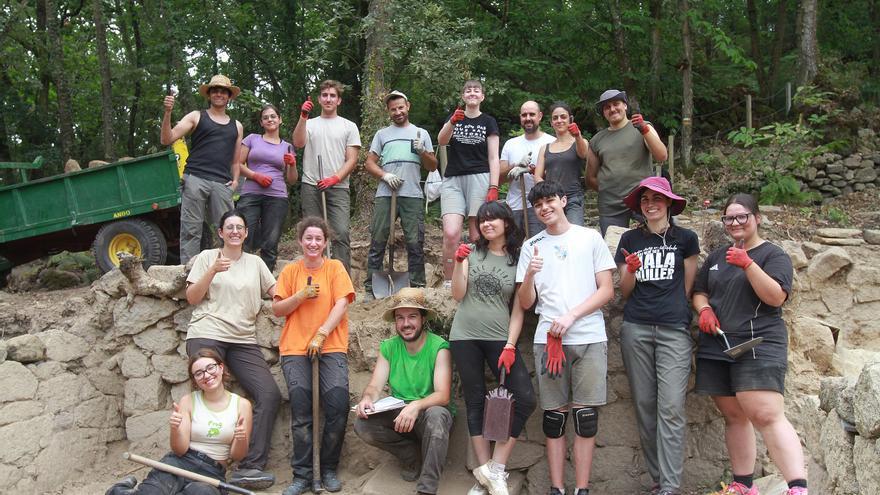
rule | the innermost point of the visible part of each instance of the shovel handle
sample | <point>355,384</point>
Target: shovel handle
<point>183,473</point>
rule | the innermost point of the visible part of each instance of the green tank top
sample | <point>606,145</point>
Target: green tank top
<point>411,377</point>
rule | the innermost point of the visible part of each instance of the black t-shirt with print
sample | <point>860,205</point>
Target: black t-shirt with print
<point>468,149</point>
<point>740,312</point>
<point>658,297</point>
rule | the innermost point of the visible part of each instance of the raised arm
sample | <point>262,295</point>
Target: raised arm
<point>242,433</point>
<point>186,125</point>
<point>181,426</point>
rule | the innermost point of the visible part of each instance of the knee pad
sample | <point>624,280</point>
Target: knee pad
<point>586,421</point>
<point>554,424</point>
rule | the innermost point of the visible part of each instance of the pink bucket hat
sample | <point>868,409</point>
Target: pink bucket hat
<point>660,185</point>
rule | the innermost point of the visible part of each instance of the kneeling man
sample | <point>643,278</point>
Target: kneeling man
<point>417,366</point>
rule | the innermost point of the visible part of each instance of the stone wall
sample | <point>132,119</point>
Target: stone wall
<point>830,174</point>
<point>83,372</point>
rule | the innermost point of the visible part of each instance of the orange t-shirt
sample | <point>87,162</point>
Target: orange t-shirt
<point>301,325</point>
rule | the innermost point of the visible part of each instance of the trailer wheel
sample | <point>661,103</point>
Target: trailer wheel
<point>138,237</point>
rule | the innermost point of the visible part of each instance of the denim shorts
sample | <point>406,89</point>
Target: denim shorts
<point>725,378</point>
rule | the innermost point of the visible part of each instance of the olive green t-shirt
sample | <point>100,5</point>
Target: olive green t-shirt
<point>624,160</point>
<point>484,313</point>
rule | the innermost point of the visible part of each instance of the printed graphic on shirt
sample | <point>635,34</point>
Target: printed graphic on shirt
<point>489,283</point>
<point>469,133</point>
<point>214,428</point>
<point>561,252</point>
<point>658,263</point>
<point>714,267</point>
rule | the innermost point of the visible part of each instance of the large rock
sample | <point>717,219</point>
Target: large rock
<point>148,431</point>
<point>838,233</point>
<point>17,382</point>
<point>13,412</point>
<point>63,392</point>
<point>142,312</point>
<point>133,363</point>
<point>145,394</point>
<point>866,458</point>
<point>62,346</point>
<point>25,349</point>
<point>172,368</point>
<point>99,412</point>
<point>106,381</point>
<point>810,338</point>
<point>830,389</point>
<point>23,439</point>
<point>825,264</point>
<point>159,339</point>
<point>67,455</point>
<point>866,402</point>
<point>871,236</point>
<point>3,351</point>
<point>837,447</point>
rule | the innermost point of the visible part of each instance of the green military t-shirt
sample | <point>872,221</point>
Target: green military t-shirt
<point>411,377</point>
<point>484,313</point>
<point>624,160</point>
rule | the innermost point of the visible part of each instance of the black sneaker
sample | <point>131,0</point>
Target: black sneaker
<point>556,491</point>
<point>124,486</point>
<point>582,491</point>
<point>331,481</point>
<point>252,479</point>
<point>297,487</point>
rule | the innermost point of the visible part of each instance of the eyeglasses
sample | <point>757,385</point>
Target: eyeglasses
<point>740,219</point>
<point>232,228</point>
<point>210,369</point>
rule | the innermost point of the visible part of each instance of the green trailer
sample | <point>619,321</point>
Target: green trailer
<point>131,205</point>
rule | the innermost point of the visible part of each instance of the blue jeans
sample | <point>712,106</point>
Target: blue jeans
<point>162,483</point>
<point>264,216</point>
<point>333,372</point>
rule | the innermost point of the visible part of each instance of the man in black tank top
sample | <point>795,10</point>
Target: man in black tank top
<point>211,171</point>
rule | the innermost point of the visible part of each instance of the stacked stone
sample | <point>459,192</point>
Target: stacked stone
<point>831,175</point>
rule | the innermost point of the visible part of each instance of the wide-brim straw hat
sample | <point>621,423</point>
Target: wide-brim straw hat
<point>660,185</point>
<point>219,81</point>
<point>409,297</point>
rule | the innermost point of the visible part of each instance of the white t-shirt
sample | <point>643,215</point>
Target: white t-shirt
<point>329,138</point>
<point>568,278</point>
<point>515,150</point>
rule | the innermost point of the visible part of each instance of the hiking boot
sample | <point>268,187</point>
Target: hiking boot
<point>331,481</point>
<point>477,489</point>
<point>297,487</point>
<point>495,482</point>
<point>582,491</point>
<point>125,486</point>
<point>798,490</point>
<point>410,471</point>
<point>556,491</point>
<point>252,479</point>
<point>736,488</point>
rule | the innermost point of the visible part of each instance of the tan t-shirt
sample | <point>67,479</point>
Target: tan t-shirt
<point>229,310</point>
<point>328,138</point>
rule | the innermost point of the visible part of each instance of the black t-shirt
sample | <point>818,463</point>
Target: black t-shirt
<point>740,312</point>
<point>468,149</point>
<point>658,297</point>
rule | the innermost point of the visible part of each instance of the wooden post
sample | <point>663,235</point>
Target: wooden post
<point>748,111</point>
<point>787,97</point>
<point>670,152</point>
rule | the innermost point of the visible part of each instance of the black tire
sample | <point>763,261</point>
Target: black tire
<point>129,235</point>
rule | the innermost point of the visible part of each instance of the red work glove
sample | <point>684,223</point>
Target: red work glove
<point>492,194</point>
<point>633,263</point>
<point>328,182</point>
<point>574,130</point>
<point>457,116</point>
<point>306,108</point>
<point>290,159</point>
<point>738,256</point>
<point>639,123</point>
<point>708,321</point>
<point>262,179</point>
<point>462,252</point>
<point>553,358</point>
<point>506,359</point>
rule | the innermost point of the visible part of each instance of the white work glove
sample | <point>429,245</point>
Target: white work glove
<point>417,145</point>
<point>392,180</point>
<point>517,171</point>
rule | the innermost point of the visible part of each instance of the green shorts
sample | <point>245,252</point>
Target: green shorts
<point>583,380</point>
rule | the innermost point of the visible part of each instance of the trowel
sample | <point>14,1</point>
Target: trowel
<point>738,350</point>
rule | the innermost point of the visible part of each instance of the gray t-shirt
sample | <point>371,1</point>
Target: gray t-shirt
<point>484,313</point>
<point>393,145</point>
<point>624,160</point>
<point>328,138</point>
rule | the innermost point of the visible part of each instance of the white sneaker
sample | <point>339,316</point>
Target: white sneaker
<point>477,489</point>
<point>496,483</point>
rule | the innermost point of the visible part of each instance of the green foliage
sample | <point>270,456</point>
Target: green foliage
<point>783,189</point>
<point>837,216</point>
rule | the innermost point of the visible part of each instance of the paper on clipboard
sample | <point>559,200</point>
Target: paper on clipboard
<point>384,404</point>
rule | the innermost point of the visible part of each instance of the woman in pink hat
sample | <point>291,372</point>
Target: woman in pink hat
<point>658,262</point>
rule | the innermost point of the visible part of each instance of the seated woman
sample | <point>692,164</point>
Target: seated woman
<point>209,428</point>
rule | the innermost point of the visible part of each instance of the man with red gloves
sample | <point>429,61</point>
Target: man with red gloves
<point>619,157</point>
<point>567,270</point>
<point>331,147</point>
<point>471,177</point>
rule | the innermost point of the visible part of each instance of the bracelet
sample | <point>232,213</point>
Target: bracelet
<point>509,344</point>
<point>493,186</point>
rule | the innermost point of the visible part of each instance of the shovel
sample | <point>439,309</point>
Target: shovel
<point>738,350</point>
<point>388,282</point>
<point>498,413</point>
<point>323,199</point>
<point>183,473</point>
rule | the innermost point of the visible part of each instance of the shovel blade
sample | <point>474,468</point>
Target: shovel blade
<point>387,283</point>
<point>738,350</point>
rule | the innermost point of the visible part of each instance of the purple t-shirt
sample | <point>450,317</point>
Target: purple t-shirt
<point>266,158</point>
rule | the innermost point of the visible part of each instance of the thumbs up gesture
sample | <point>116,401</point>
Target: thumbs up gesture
<point>240,433</point>
<point>222,263</point>
<point>176,417</point>
<point>418,147</point>
<point>536,263</point>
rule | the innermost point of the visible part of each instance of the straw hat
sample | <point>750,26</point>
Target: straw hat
<point>410,297</point>
<point>219,81</point>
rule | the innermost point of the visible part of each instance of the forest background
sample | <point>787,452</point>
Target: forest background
<point>85,79</point>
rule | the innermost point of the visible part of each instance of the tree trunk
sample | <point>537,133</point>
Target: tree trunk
<point>778,40</point>
<point>43,62</point>
<point>656,14</point>
<point>755,42</point>
<point>874,68</point>
<point>106,90</point>
<point>56,54</point>
<point>687,85</point>
<point>622,54</point>
<point>808,52</point>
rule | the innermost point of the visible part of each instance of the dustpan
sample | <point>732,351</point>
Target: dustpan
<point>498,413</point>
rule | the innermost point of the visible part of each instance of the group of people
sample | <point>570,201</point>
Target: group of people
<point>560,269</point>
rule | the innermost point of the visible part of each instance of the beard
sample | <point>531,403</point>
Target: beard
<point>414,337</point>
